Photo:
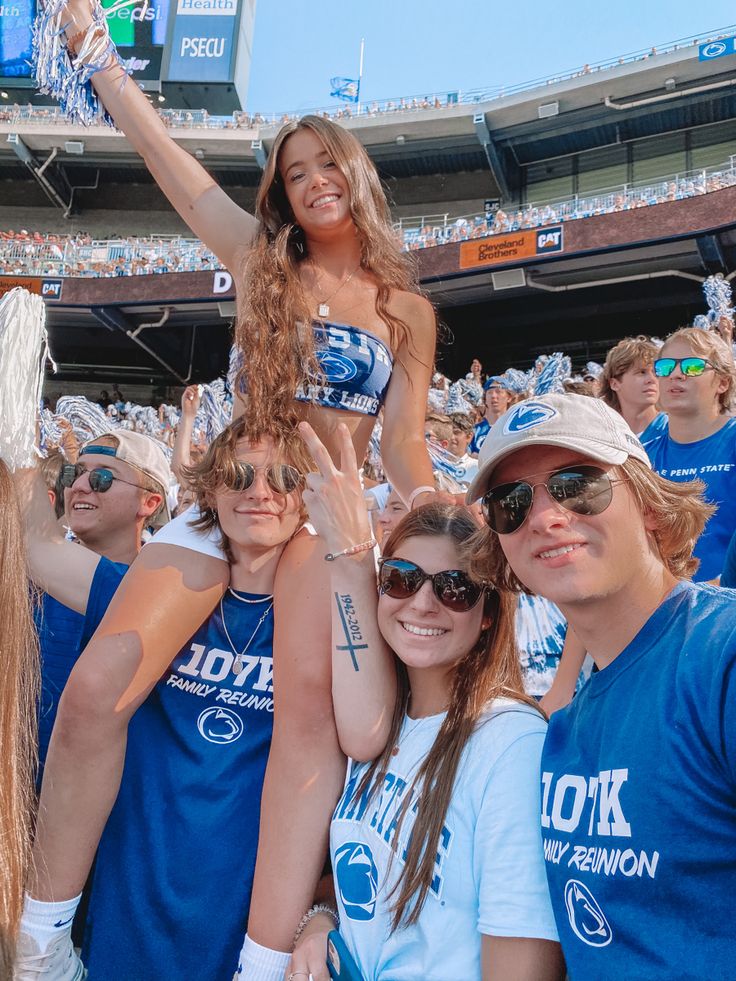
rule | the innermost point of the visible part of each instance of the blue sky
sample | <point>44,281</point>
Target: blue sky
<point>418,47</point>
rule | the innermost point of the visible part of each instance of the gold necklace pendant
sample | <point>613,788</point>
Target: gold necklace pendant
<point>323,311</point>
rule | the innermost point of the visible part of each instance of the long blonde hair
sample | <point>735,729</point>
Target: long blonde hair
<point>489,670</point>
<point>277,356</point>
<point>18,725</point>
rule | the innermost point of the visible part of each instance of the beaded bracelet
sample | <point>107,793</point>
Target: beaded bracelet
<point>319,908</point>
<point>353,550</point>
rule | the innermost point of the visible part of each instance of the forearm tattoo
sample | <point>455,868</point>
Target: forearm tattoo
<point>350,626</point>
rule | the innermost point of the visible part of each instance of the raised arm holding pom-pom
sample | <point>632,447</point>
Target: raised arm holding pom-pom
<point>331,327</point>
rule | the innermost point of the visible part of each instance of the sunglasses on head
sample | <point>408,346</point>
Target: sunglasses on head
<point>399,579</point>
<point>580,489</point>
<point>281,478</point>
<point>100,478</point>
<point>690,367</point>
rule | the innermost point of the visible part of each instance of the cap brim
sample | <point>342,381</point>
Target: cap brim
<point>482,480</point>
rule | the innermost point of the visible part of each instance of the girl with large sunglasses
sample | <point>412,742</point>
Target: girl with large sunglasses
<point>435,844</point>
<point>331,327</point>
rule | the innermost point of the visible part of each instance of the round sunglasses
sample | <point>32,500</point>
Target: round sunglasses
<point>690,367</point>
<point>399,579</point>
<point>100,478</point>
<point>281,478</point>
<point>580,489</point>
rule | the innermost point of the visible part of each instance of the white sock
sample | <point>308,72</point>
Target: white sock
<point>261,963</point>
<point>46,921</point>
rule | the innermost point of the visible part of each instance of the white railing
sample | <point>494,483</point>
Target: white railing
<point>76,256</point>
<point>421,231</point>
<point>60,255</point>
<point>201,119</point>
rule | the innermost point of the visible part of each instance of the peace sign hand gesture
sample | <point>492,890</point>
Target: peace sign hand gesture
<point>333,496</point>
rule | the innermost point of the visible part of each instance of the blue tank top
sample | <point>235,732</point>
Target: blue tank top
<point>357,368</point>
<point>172,883</point>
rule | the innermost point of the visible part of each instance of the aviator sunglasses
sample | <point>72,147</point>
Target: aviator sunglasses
<point>399,579</point>
<point>100,478</point>
<point>580,489</point>
<point>281,478</point>
<point>690,367</point>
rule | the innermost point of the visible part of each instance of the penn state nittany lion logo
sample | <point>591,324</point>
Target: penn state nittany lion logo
<point>585,915</point>
<point>337,367</point>
<point>357,879</point>
<point>527,415</point>
<point>220,725</point>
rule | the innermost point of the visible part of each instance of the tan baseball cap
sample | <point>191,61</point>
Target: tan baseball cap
<point>574,422</point>
<point>142,453</point>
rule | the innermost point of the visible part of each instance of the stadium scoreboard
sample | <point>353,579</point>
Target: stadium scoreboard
<point>192,44</point>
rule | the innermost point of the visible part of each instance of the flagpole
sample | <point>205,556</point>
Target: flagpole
<point>360,70</point>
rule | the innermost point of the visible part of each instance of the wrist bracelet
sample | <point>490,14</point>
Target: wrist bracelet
<point>424,489</point>
<point>319,908</point>
<point>353,550</point>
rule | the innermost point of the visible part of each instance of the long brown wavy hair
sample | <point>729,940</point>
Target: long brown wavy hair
<point>18,727</point>
<point>278,356</point>
<point>489,670</point>
<point>679,510</point>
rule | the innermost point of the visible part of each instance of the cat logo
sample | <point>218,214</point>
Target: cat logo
<point>549,240</point>
<point>51,289</point>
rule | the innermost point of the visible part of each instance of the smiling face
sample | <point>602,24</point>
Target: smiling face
<point>569,558</point>
<point>258,518</point>
<point>97,517</point>
<point>424,634</point>
<point>637,388</point>
<point>317,191</point>
<point>694,396</point>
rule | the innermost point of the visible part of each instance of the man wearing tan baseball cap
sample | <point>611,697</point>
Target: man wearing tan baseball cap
<point>117,487</point>
<point>639,771</point>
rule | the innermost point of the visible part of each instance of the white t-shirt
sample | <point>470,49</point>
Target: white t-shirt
<point>490,875</point>
<point>466,469</point>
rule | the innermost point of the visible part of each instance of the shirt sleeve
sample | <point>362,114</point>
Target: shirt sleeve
<point>508,861</point>
<point>179,531</point>
<point>108,576</point>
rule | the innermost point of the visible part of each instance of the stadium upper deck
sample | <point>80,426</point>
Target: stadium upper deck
<point>656,114</point>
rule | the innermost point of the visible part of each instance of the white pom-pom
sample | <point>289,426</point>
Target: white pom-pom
<point>23,352</point>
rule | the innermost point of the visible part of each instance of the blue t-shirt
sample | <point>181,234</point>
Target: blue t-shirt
<point>728,576</point>
<point>659,426</point>
<point>712,460</point>
<point>639,801</point>
<point>174,873</point>
<point>62,638</point>
<point>480,432</point>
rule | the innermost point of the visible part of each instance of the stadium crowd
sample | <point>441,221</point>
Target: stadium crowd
<point>24,253</point>
<point>661,391</point>
<point>474,642</point>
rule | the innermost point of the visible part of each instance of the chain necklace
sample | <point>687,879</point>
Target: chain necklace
<point>238,662</point>
<point>242,599</point>
<point>323,310</point>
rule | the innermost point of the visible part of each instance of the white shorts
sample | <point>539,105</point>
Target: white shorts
<point>179,531</point>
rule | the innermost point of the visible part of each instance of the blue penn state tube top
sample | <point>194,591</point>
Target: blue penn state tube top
<point>357,369</point>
